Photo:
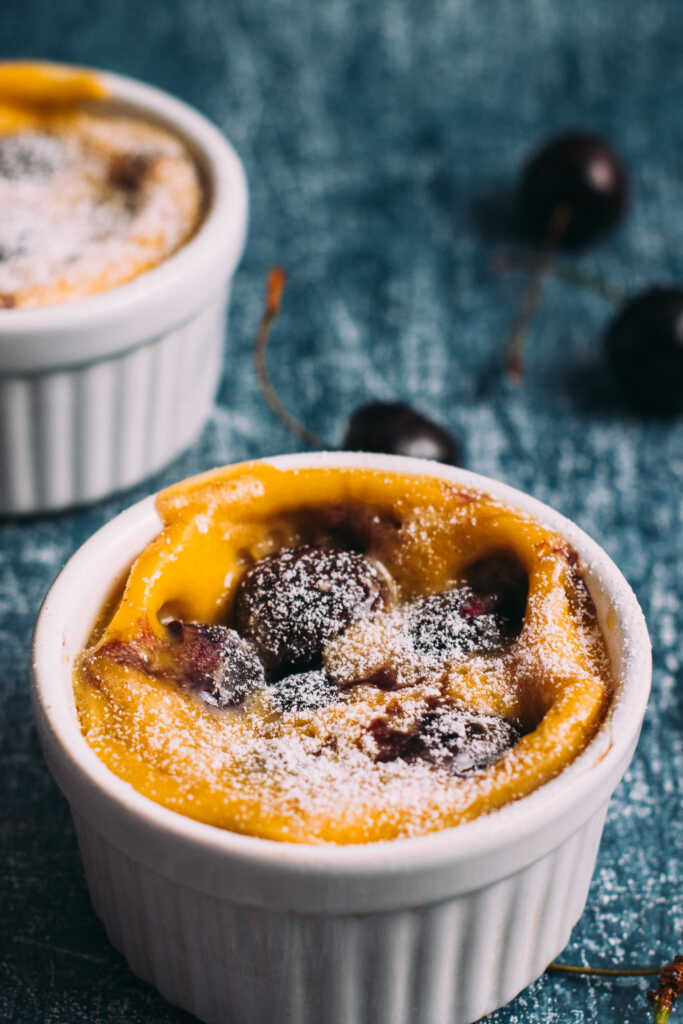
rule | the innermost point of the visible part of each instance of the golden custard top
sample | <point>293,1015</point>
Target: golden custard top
<point>343,655</point>
<point>90,197</point>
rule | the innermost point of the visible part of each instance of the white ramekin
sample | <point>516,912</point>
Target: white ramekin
<point>443,928</point>
<point>98,393</point>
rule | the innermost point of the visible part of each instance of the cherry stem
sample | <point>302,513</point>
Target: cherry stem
<point>564,272</point>
<point>531,296</point>
<point>670,985</point>
<point>593,282</point>
<point>274,290</point>
<point>608,972</point>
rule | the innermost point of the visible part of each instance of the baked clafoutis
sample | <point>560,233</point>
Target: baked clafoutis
<point>343,655</point>
<point>92,194</point>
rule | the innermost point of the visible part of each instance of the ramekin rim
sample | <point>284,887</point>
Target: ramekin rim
<point>218,241</point>
<point>461,843</point>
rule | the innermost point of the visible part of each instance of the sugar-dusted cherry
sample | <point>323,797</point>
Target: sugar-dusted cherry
<point>463,741</point>
<point>644,347</point>
<point>457,740</point>
<point>304,691</point>
<point>394,428</point>
<point>290,604</point>
<point>456,623</point>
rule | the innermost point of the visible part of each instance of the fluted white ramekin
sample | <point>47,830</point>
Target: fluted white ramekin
<point>442,928</point>
<point>99,393</point>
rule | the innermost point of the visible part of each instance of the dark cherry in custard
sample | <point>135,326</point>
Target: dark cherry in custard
<point>456,623</point>
<point>305,691</point>
<point>215,663</point>
<point>455,739</point>
<point>290,604</point>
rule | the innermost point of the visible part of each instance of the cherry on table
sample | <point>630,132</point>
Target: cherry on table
<point>644,348</point>
<point>394,428</point>
<point>573,189</point>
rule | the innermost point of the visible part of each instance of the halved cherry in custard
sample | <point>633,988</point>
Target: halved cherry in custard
<point>456,739</point>
<point>215,663</point>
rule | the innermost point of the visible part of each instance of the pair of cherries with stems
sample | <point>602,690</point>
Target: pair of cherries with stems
<point>572,191</point>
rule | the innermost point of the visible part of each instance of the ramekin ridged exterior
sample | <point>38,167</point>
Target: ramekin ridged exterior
<point>439,929</point>
<point>99,393</point>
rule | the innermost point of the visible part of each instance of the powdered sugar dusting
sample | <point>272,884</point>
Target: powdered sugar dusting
<point>451,665</point>
<point>69,227</point>
<point>305,691</point>
<point>418,719</point>
<point>305,767</point>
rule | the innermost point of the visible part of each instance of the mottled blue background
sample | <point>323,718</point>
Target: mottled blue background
<point>381,141</point>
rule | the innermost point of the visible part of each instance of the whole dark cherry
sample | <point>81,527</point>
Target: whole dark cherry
<point>290,604</point>
<point>456,623</point>
<point>573,189</point>
<point>393,428</point>
<point>482,614</point>
<point>644,347</point>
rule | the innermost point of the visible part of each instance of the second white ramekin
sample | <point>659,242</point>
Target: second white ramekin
<point>99,393</point>
<point>443,928</point>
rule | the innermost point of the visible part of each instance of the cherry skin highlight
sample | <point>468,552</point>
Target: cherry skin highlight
<point>393,428</point>
<point>572,190</point>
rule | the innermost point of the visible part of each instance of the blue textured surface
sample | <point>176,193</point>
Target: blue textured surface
<point>380,141</point>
